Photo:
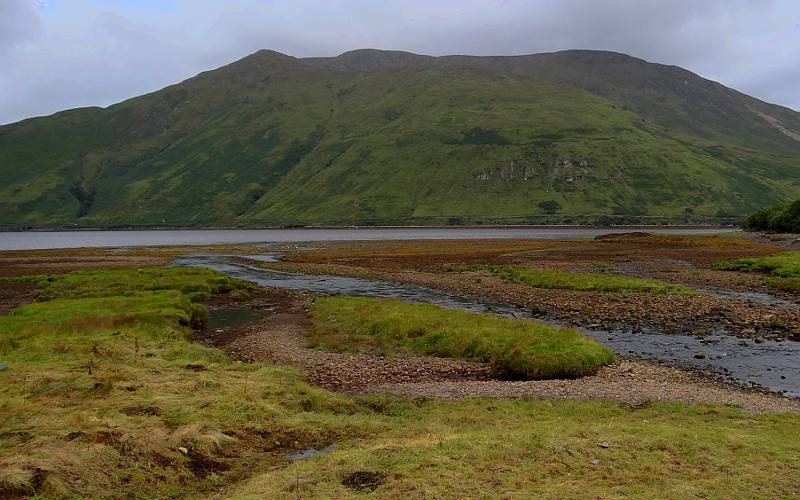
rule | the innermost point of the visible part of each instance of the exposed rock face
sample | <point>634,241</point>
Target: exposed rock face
<point>566,170</point>
<point>513,170</point>
<point>778,125</point>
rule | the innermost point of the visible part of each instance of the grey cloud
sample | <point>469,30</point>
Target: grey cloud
<point>18,23</point>
<point>96,53</point>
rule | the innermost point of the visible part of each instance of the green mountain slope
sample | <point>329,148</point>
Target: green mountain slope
<point>390,137</point>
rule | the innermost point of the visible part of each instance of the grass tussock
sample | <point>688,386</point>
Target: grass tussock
<point>599,282</point>
<point>522,349</point>
<point>98,400</point>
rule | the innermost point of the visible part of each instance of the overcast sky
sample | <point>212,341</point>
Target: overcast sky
<point>60,54</point>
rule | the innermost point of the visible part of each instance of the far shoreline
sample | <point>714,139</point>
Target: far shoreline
<point>164,237</point>
<point>367,227</point>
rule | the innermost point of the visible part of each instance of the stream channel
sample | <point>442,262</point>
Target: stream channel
<point>771,365</point>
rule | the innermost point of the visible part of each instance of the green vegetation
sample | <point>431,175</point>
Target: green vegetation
<point>782,265</point>
<point>369,138</point>
<point>520,348</point>
<point>549,449</point>
<point>788,284</point>
<point>105,397</point>
<point>783,218</point>
<point>783,269</point>
<point>196,284</point>
<point>601,282</point>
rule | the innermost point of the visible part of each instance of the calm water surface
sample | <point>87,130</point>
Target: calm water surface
<point>35,240</point>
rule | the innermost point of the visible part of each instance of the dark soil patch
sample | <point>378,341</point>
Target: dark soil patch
<point>109,438</point>
<point>39,476</point>
<point>28,490</point>
<point>74,435</point>
<point>364,480</point>
<point>22,436</point>
<point>14,294</point>
<point>202,466</point>
<point>142,410</point>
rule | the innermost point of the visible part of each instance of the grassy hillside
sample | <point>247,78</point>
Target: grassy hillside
<point>387,137</point>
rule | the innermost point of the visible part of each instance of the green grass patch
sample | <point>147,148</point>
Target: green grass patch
<point>523,349</point>
<point>783,269</point>
<point>782,265</point>
<point>600,282</point>
<point>197,284</point>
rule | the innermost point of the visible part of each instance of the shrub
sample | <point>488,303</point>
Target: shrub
<point>784,218</point>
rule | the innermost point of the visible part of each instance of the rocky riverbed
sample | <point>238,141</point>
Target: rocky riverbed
<point>280,337</point>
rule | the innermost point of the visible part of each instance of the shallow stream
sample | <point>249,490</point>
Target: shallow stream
<point>772,365</point>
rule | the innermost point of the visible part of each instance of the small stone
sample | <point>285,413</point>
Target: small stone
<point>604,445</point>
<point>183,450</point>
<point>759,340</point>
<point>595,462</point>
<point>699,355</point>
<point>3,367</point>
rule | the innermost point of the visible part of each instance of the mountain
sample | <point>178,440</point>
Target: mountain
<point>383,137</point>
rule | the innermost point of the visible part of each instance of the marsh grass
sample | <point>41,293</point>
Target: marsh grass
<point>197,284</point>
<point>600,282</point>
<point>781,265</point>
<point>547,449</point>
<point>783,269</point>
<point>97,400</point>
<point>520,348</point>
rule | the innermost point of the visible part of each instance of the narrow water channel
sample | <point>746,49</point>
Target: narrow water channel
<point>772,365</point>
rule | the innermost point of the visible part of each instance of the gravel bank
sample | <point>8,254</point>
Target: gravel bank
<point>626,381</point>
<point>280,338</point>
